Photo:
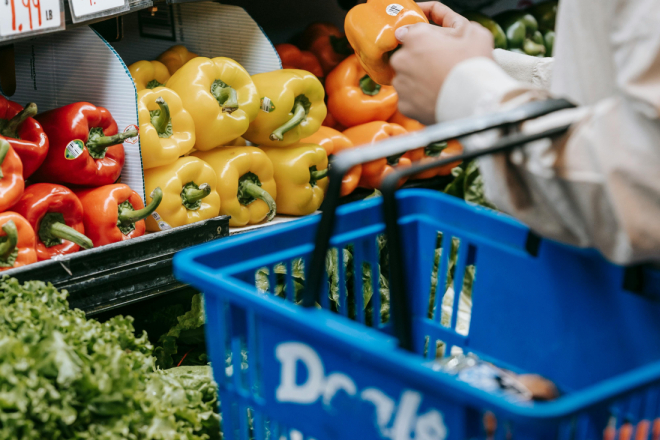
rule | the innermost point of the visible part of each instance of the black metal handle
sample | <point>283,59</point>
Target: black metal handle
<point>401,319</point>
<point>436,133</point>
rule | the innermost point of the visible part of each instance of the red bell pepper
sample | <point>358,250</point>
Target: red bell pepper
<point>56,215</point>
<point>11,176</point>
<point>85,148</point>
<point>294,58</point>
<point>24,134</point>
<point>328,43</point>
<point>115,213</point>
<point>17,243</point>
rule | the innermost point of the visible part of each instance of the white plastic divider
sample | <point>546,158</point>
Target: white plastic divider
<point>75,66</point>
<point>209,29</point>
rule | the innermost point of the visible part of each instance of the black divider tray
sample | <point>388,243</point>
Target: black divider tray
<point>122,273</point>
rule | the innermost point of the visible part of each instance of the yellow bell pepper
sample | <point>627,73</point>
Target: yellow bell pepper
<point>220,96</point>
<point>189,193</point>
<point>300,175</point>
<point>245,183</point>
<point>175,57</point>
<point>238,142</point>
<point>148,74</point>
<point>292,108</point>
<point>167,130</point>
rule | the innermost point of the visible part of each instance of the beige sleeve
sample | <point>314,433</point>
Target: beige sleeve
<point>525,68</point>
<point>597,186</point>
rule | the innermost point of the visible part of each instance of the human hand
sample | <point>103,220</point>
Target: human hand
<point>428,53</point>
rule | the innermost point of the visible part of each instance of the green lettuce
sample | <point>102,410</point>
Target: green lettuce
<point>63,376</point>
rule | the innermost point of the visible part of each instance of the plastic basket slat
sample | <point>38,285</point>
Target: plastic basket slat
<point>290,288</point>
<point>358,260</point>
<point>652,404</point>
<point>254,370</point>
<point>459,273</point>
<point>272,279</point>
<point>341,282</point>
<point>371,254</point>
<point>442,275</point>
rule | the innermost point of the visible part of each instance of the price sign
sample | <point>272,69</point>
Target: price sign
<point>27,16</point>
<point>87,9</point>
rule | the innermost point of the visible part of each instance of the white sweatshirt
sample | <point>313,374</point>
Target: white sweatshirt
<point>599,185</point>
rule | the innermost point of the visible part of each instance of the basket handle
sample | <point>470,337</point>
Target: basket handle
<point>401,319</point>
<point>398,145</point>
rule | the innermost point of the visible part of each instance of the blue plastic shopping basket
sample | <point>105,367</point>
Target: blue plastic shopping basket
<point>537,306</point>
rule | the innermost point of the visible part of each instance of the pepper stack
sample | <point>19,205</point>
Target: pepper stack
<point>221,142</point>
<point>64,152</point>
<point>190,135</point>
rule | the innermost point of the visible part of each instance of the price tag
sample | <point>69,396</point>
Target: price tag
<point>19,17</point>
<point>87,9</point>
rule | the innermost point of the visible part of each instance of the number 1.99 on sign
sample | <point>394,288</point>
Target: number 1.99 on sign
<point>25,16</point>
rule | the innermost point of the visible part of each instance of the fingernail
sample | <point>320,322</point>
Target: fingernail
<point>400,33</point>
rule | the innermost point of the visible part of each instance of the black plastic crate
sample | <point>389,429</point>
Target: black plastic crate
<point>122,273</point>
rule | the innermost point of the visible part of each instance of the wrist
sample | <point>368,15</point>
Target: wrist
<point>473,84</point>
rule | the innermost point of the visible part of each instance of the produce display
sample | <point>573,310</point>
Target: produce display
<point>531,32</point>
<point>71,152</point>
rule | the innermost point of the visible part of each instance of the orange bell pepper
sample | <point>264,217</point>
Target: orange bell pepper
<point>17,241</point>
<point>370,30</point>
<point>435,152</point>
<point>333,142</point>
<point>328,43</point>
<point>11,176</point>
<point>354,99</point>
<point>294,58</point>
<point>406,122</point>
<point>366,134</point>
<point>331,122</point>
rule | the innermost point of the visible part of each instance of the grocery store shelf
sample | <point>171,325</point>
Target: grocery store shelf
<point>277,220</point>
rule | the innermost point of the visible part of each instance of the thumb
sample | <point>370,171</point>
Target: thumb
<point>400,33</point>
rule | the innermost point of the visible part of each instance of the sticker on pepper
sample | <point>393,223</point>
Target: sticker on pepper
<point>394,9</point>
<point>267,105</point>
<point>162,224</point>
<point>134,139</point>
<point>74,149</point>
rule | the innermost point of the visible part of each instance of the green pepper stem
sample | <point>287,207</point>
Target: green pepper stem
<point>225,95</point>
<point>153,84</point>
<point>161,121</point>
<point>11,129</point>
<point>299,114</point>
<point>131,216</point>
<point>98,144</point>
<point>4,149</point>
<point>254,190</point>
<point>8,246</point>
<point>435,148</point>
<point>64,232</point>
<point>192,194</point>
<point>369,86</point>
<point>318,175</point>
